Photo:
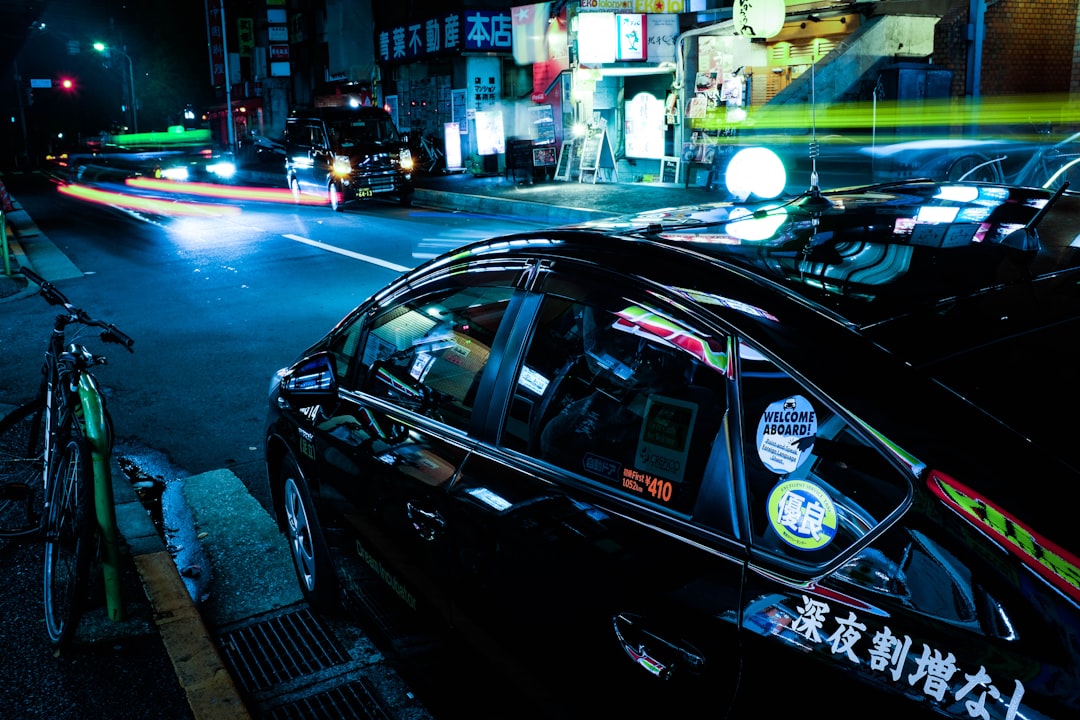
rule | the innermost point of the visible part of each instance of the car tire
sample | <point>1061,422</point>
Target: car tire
<point>406,199</point>
<point>307,545</point>
<point>974,168</point>
<point>294,185</point>
<point>333,194</point>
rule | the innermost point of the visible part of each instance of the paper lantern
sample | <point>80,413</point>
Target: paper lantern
<point>759,18</point>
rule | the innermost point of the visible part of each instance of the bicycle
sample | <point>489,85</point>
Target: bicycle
<point>55,469</point>
<point>430,158</point>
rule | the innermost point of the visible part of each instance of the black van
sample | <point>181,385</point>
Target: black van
<point>345,154</point>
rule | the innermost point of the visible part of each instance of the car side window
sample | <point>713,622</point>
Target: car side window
<point>815,484</point>
<point>427,353</point>
<point>298,134</point>
<point>343,345</point>
<point>318,136</point>
<point>614,395</point>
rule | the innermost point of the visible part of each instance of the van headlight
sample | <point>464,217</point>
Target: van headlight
<point>405,159</point>
<point>222,169</point>
<point>342,166</point>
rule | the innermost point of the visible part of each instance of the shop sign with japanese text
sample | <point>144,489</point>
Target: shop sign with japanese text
<point>471,31</point>
<point>488,31</point>
<point>635,6</point>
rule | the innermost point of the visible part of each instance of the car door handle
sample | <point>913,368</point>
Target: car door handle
<point>427,524</point>
<point>659,657</point>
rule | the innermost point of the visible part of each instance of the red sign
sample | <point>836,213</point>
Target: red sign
<point>279,52</point>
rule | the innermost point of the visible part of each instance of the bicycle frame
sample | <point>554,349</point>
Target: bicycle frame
<point>72,395</point>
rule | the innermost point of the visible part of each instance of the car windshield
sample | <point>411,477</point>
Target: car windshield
<point>354,132</point>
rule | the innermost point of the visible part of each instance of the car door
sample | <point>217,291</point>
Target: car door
<point>398,438</point>
<point>587,573</point>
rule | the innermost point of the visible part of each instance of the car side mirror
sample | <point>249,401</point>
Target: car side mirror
<point>311,381</point>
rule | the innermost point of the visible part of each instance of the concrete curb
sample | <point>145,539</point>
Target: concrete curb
<point>210,689</point>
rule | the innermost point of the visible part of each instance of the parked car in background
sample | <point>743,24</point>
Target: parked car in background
<point>346,154</point>
<point>720,459</point>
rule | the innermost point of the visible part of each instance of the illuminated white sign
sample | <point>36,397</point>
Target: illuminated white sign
<point>633,40</point>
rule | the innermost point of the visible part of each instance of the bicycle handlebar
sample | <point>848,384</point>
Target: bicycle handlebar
<point>110,333</point>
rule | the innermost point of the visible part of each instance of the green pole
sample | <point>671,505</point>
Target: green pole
<point>97,432</point>
<point>4,243</point>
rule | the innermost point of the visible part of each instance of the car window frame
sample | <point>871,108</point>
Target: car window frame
<point>787,564</point>
<point>418,286</point>
<point>596,280</point>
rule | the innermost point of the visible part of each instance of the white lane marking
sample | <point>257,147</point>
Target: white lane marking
<point>348,253</point>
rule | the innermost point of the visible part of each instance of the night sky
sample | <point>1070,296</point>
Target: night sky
<point>166,42</point>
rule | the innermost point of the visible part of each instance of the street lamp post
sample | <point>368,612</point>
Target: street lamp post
<point>103,48</point>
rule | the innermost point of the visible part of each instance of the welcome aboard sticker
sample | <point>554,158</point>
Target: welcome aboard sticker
<point>785,434</point>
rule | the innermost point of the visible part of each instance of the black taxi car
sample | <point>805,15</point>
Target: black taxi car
<point>812,456</point>
<point>344,154</point>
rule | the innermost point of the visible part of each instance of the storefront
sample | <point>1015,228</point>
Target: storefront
<point>453,80</point>
<point>624,67</point>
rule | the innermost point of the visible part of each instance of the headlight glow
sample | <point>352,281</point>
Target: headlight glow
<point>223,169</point>
<point>342,166</point>
<point>405,158</point>
<point>175,173</point>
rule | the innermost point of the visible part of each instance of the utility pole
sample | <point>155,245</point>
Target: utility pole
<point>22,113</point>
<point>228,85</point>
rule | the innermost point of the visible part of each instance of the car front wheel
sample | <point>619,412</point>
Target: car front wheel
<point>294,185</point>
<point>307,545</point>
<point>333,193</point>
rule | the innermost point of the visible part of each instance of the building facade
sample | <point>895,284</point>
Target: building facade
<point>650,85</point>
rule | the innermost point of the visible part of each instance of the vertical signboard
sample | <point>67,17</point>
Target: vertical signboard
<point>216,38</point>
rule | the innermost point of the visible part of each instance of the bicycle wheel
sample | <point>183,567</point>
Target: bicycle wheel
<point>68,539</point>
<point>22,458</point>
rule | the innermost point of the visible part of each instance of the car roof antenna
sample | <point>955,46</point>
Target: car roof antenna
<point>815,201</point>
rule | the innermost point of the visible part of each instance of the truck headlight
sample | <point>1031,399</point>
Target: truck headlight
<point>405,159</point>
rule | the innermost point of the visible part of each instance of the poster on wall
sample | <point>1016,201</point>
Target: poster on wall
<point>633,37</point>
<point>543,124</point>
<point>663,31</point>
<point>457,111</point>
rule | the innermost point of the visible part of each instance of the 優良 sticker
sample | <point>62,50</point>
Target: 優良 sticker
<point>785,433</point>
<point>802,514</point>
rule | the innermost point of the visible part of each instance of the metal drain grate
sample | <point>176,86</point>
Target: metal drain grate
<point>278,649</point>
<point>351,701</point>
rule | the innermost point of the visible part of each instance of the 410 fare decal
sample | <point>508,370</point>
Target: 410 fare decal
<point>645,484</point>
